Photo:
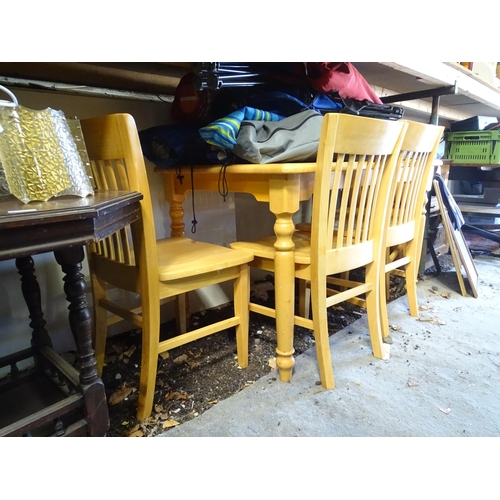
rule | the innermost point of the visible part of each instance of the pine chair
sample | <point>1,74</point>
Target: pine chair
<point>135,261</point>
<point>407,217</point>
<point>355,164</point>
<point>404,237</point>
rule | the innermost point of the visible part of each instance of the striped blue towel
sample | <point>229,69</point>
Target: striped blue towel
<point>223,132</point>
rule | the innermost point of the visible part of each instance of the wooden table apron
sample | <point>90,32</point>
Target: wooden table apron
<point>65,226</point>
<point>283,187</point>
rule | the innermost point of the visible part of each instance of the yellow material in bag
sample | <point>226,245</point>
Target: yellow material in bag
<point>38,153</point>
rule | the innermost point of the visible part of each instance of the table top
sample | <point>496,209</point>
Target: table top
<point>38,227</point>
<point>246,168</point>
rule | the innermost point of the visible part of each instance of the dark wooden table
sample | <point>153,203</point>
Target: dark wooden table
<point>55,397</point>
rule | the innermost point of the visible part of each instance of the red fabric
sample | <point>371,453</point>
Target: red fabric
<point>341,77</point>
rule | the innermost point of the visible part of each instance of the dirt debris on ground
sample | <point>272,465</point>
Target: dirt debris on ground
<point>194,377</point>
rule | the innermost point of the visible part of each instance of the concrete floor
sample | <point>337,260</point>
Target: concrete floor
<point>442,379</point>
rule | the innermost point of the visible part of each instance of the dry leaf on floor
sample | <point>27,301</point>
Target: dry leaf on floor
<point>136,434</point>
<point>180,359</point>
<point>119,395</point>
<point>412,382</point>
<point>176,396</point>
<point>424,319</point>
<point>423,308</point>
<point>165,355</point>
<point>169,423</point>
<point>272,363</point>
<point>130,351</point>
<point>433,320</point>
<point>446,295</point>
<point>214,402</point>
<point>395,328</point>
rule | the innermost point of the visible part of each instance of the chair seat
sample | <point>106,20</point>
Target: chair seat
<point>181,257</point>
<point>264,247</point>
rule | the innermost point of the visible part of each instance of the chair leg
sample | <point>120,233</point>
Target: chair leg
<point>182,313</point>
<point>384,319</point>
<point>241,309</point>
<point>304,299</point>
<point>415,251</point>
<point>320,327</point>
<point>344,276</point>
<point>149,360</point>
<point>380,349</point>
<point>387,276</point>
<point>411,274</point>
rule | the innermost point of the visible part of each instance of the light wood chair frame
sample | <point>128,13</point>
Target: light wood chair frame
<point>156,270</point>
<point>407,219</point>
<point>408,215</point>
<point>355,165</point>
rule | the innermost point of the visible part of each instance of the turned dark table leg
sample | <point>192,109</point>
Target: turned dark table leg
<point>80,320</point>
<point>31,293</point>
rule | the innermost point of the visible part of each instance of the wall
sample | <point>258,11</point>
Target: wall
<point>216,222</point>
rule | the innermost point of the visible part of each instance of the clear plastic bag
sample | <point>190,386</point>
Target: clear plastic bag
<point>39,155</point>
<point>75,155</point>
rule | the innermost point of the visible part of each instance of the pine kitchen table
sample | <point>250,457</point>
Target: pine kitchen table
<point>283,186</point>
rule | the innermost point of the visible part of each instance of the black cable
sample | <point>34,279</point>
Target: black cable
<point>180,177</point>
<point>194,221</point>
<point>222,183</point>
<point>223,186</point>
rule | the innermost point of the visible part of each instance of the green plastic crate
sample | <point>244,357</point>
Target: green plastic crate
<point>481,147</point>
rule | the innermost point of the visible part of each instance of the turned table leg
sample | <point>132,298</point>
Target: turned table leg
<point>31,293</point>
<point>284,202</point>
<point>175,194</point>
<point>284,288</point>
<point>91,386</point>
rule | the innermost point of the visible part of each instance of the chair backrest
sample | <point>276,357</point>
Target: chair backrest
<point>117,163</point>
<point>416,160</point>
<point>355,164</point>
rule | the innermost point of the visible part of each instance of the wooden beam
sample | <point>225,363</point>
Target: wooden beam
<point>161,78</point>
